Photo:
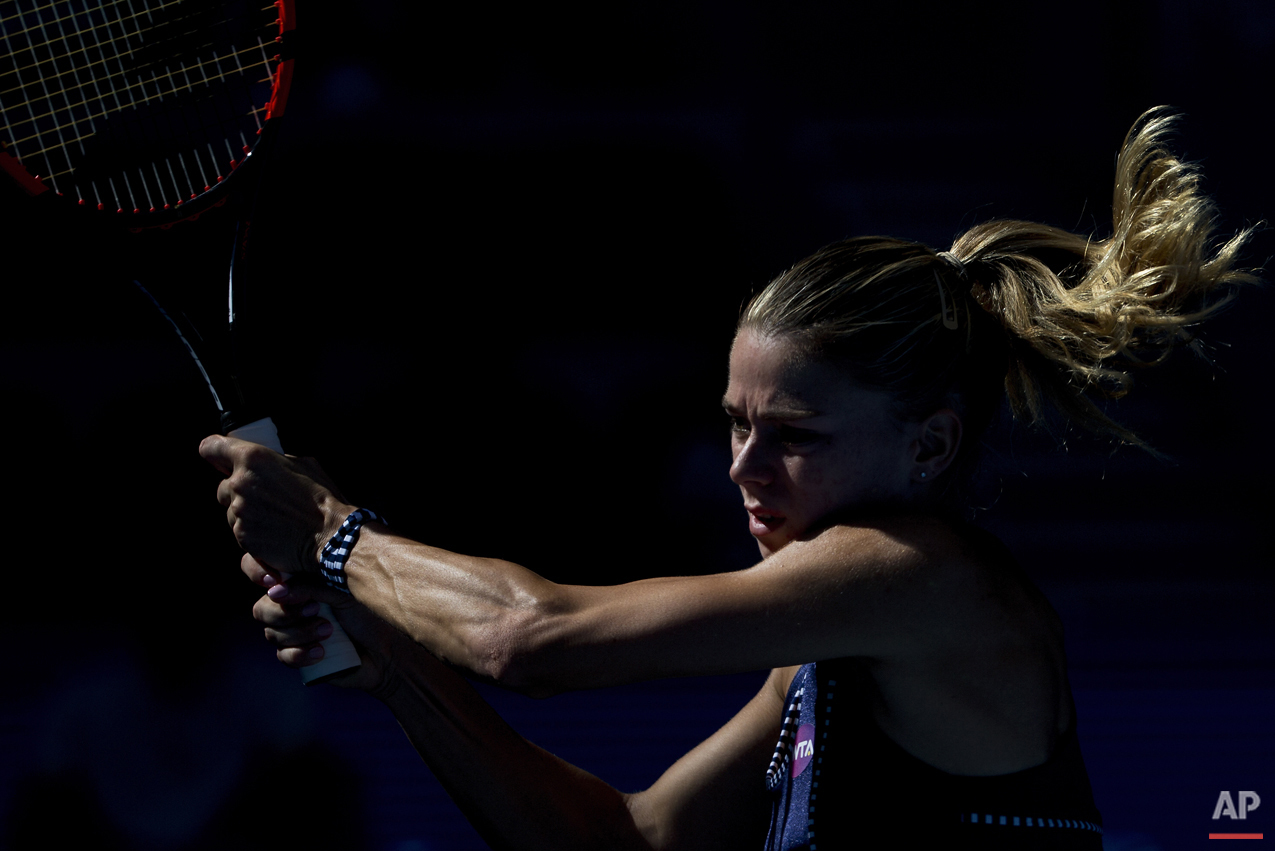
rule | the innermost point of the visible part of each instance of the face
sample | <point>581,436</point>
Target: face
<point>807,441</point>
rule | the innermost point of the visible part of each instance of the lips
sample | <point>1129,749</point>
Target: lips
<point>763,521</point>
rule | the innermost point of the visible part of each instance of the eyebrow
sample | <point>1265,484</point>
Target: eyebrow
<point>779,414</point>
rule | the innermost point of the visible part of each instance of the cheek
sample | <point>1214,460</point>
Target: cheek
<point>843,475</point>
<point>809,476</point>
<point>815,476</point>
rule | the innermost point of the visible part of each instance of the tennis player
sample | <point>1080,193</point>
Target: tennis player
<point>919,685</point>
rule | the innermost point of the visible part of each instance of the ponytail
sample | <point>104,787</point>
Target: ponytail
<point>1081,314</point>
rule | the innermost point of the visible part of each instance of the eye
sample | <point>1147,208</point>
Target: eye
<point>738,426</point>
<point>792,436</point>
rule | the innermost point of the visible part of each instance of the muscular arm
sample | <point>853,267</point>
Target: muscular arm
<point>851,591</point>
<point>877,591</point>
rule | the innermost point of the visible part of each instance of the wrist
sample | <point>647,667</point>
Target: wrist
<point>334,513</point>
<point>336,551</point>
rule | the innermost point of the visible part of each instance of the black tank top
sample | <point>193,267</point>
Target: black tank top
<point>839,782</point>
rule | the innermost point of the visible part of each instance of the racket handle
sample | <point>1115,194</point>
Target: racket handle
<point>260,431</point>
<point>339,654</point>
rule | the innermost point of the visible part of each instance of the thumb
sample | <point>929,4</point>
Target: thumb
<point>214,449</point>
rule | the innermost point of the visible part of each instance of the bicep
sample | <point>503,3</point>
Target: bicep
<point>715,796</point>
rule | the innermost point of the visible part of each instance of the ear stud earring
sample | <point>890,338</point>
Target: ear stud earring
<point>923,474</point>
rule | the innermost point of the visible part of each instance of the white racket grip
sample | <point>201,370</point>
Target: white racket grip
<point>339,654</point>
<point>260,431</point>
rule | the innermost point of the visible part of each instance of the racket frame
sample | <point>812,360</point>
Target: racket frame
<point>219,187</point>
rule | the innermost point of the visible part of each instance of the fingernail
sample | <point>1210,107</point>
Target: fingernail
<point>325,630</point>
<point>311,609</point>
<point>269,581</point>
<point>316,652</point>
<point>278,592</point>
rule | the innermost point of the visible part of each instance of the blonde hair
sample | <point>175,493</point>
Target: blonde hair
<point>1016,308</point>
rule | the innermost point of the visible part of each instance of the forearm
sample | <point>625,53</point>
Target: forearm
<point>515,794</point>
<point>471,612</point>
<point>506,623</point>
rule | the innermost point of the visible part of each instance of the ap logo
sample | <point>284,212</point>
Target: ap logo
<point>1249,801</point>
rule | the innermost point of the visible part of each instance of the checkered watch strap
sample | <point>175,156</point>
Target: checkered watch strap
<point>337,550</point>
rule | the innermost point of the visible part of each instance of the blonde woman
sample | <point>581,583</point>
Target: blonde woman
<point>919,684</point>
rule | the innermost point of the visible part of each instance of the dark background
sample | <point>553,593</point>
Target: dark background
<point>498,264</point>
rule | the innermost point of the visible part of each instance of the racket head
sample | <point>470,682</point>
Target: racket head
<point>144,114</point>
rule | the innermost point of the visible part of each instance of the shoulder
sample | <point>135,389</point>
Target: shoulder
<point>904,546</point>
<point>927,581</point>
<point>920,533</point>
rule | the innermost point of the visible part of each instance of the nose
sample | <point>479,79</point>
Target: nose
<point>751,464</point>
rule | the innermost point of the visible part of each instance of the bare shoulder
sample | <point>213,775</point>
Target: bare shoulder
<point>960,584</point>
<point>909,536</point>
<point>909,548</point>
<point>940,548</point>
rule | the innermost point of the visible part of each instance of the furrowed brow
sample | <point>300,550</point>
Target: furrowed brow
<point>786,414</point>
<point>778,413</point>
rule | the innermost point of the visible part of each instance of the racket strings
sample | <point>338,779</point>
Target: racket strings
<point>175,88</point>
<point>132,102</point>
<point>74,54</point>
<point>42,24</point>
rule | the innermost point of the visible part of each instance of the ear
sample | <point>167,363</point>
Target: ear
<point>936,445</point>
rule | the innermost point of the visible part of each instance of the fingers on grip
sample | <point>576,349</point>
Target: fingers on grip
<point>295,632</point>
<point>300,657</point>
<point>260,573</point>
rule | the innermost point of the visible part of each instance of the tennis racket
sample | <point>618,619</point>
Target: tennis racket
<point>141,115</point>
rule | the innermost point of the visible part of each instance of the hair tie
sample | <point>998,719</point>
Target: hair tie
<point>955,262</point>
<point>976,291</point>
<point>948,310</point>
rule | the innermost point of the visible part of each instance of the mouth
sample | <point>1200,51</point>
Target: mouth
<point>763,521</point>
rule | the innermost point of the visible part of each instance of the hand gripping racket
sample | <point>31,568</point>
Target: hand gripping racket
<point>339,654</point>
<point>140,115</point>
